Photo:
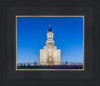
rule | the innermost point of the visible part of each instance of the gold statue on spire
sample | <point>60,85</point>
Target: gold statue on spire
<point>49,25</point>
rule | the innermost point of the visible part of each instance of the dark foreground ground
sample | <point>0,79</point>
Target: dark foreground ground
<point>52,67</point>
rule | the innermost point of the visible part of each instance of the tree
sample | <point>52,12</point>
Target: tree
<point>28,64</point>
<point>66,63</point>
<point>35,63</point>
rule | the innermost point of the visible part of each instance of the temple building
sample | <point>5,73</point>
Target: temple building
<point>50,55</point>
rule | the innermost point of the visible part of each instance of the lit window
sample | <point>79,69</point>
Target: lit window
<point>49,53</point>
<point>50,59</point>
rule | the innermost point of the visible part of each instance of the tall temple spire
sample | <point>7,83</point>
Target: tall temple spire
<point>50,30</point>
<point>50,55</point>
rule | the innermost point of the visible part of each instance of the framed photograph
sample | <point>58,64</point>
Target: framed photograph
<point>33,32</point>
<point>52,43</point>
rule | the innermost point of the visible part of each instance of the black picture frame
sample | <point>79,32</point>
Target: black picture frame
<point>9,76</point>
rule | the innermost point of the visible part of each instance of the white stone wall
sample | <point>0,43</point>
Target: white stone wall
<point>44,55</point>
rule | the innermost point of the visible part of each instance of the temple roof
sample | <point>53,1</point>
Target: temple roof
<point>50,30</point>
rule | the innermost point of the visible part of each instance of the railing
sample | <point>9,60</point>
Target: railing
<point>38,63</point>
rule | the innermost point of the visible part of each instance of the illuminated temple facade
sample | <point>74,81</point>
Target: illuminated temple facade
<point>50,55</point>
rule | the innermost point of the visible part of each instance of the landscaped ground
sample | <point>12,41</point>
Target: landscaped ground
<point>52,67</point>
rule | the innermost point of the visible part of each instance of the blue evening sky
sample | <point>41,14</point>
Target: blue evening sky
<point>32,36</point>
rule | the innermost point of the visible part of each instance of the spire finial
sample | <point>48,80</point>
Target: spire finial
<point>49,25</point>
<point>50,30</point>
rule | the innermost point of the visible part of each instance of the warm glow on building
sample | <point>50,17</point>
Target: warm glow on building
<point>50,55</point>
